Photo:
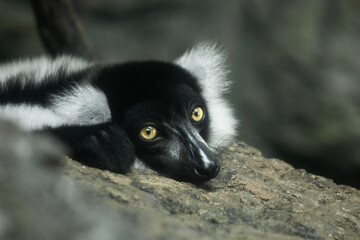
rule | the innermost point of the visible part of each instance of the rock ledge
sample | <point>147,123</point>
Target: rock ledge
<point>252,198</point>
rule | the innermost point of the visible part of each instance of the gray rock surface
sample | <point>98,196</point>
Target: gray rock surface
<point>45,196</point>
<point>35,201</point>
<point>252,198</point>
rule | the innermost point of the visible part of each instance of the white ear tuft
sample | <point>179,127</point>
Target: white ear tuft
<point>206,61</point>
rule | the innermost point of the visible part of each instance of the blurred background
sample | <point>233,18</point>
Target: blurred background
<point>295,64</point>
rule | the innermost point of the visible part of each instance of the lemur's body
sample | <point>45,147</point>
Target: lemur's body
<point>162,113</point>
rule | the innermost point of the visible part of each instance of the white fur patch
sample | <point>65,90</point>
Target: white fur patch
<point>30,117</point>
<point>196,134</point>
<point>82,105</point>
<point>138,164</point>
<point>34,71</point>
<point>207,62</point>
<point>174,149</point>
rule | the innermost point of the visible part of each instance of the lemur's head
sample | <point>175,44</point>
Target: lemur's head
<point>176,114</point>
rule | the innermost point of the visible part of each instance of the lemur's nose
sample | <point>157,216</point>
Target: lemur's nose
<point>203,160</point>
<point>206,166</point>
<point>209,171</point>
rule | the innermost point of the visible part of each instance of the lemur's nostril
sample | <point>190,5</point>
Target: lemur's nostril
<point>208,172</point>
<point>200,172</point>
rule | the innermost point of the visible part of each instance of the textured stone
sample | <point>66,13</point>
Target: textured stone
<point>252,198</point>
<point>35,201</point>
<point>46,196</point>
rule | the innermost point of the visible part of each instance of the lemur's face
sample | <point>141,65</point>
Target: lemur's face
<point>170,127</point>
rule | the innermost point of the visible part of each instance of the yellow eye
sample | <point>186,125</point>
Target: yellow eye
<point>197,114</point>
<point>148,133</point>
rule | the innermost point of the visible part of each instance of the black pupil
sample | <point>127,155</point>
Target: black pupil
<point>196,113</point>
<point>148,131</point>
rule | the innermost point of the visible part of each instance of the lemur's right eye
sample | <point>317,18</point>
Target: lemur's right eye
<point>197,114</point>
<point>148,133</point>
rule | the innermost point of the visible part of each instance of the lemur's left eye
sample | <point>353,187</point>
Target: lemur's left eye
<point>197,114</point>
<point>148,133</point>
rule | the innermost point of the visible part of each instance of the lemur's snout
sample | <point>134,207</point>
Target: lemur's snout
<point>210,171</point>
<point>201,161</point>
<point>205,163</point>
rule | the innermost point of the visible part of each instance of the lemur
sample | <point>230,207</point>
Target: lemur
<point>166,116</point>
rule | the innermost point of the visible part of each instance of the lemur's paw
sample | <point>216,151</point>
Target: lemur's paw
<point>104,146</point>
<point>107,147</point>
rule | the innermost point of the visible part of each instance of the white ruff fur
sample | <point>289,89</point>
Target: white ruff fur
<point>82,105</point>
<point>207,62</point>
<point>31,117</point>
<point>34,71</point>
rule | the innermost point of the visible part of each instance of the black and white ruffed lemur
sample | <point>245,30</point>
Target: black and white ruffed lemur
<point>167,116</point>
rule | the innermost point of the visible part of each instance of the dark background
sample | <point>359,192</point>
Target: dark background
<point>295,64</point>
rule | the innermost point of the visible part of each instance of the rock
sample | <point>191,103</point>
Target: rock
<point>35,201</point>
<point>46,196</point>
<point>252,198</point>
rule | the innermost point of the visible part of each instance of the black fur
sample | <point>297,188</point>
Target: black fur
<point>104,146</point>
<point>139,94</point>
<point>16,93</point>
